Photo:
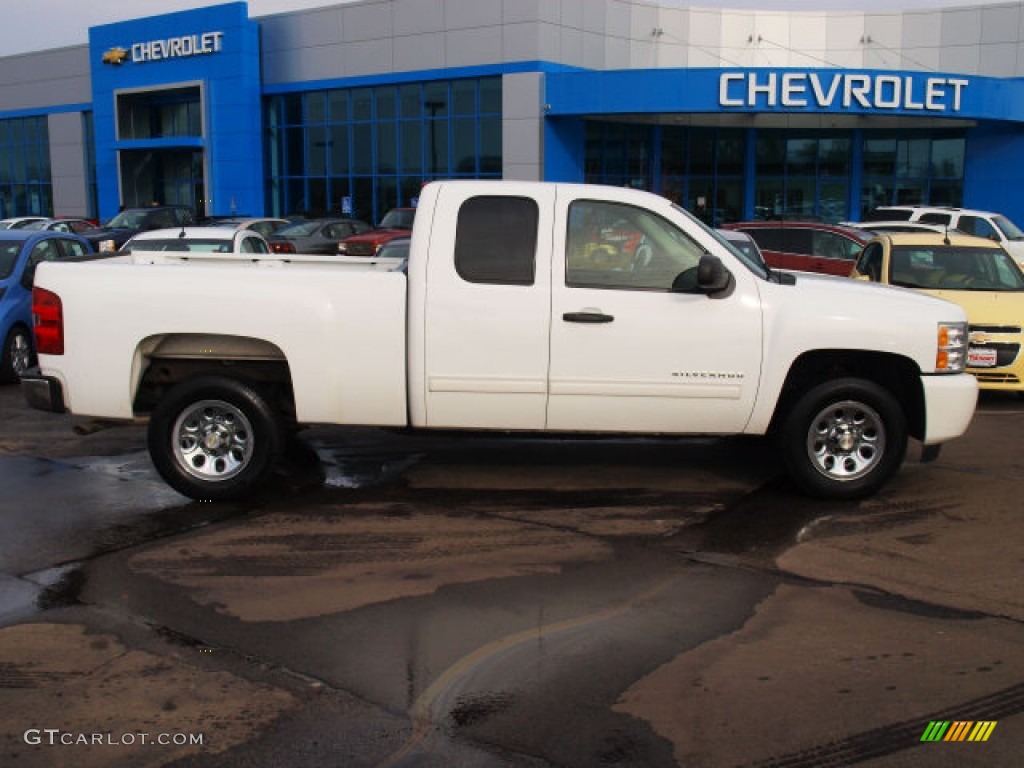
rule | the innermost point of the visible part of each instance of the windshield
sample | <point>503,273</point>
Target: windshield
<point>398,219</point>
<point>398,248</point>
<point>127,220</point>
<point>1010,230</point>
<point>954,268</point>
<point>755,265</point>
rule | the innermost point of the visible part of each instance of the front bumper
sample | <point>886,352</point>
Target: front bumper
<point>43,393</point>
<point>949,403</point>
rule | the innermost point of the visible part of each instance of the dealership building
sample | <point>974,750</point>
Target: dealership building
<point>351,108</point>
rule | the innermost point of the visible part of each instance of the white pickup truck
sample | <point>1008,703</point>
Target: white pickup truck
<point>524,307</point>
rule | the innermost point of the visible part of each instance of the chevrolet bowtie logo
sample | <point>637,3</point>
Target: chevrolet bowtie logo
<point>115,56</point>
<point>978,337</point>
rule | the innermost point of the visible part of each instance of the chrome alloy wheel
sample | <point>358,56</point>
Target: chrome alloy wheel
<point>213,440</point>
<point>20,352</point>
<point>846,440</point>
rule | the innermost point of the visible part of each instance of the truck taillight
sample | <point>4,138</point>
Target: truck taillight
<point>48,319</point>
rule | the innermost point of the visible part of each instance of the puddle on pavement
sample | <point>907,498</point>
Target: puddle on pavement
<point>17,600</point>
<point>762,524</point>
<point>59,586</point>
<point>343,470</point>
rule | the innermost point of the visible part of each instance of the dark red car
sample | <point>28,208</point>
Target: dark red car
<point>807,246</point>
<point>396,223</point>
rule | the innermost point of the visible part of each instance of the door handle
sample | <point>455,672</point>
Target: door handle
<point>587,317</point>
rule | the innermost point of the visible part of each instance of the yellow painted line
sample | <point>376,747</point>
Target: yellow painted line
<point>422,707</point>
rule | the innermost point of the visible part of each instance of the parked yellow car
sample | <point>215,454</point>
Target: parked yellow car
<point>976,273</point>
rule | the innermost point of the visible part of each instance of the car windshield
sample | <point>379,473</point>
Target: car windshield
<point>954,268</point>
<point>1010,230</point>
<point>398,219</point>
<point>395,249</point>
<point>128,220</point>
<point>180,244</point>
<point>8,257</point>
<point>302,229</point>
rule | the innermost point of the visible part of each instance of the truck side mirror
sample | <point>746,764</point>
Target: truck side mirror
<point>709,277</point>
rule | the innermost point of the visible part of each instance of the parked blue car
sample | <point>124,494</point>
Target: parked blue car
<point>21,251</point>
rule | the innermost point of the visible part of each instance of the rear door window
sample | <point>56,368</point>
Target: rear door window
<point>496,240</point>
<point>934,217</point>
<point>798,241</point>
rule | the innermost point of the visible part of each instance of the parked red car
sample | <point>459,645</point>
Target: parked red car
<point>396,223</point>
<point>807,246</point>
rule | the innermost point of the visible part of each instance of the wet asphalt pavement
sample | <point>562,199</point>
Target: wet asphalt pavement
<point>440,601</point>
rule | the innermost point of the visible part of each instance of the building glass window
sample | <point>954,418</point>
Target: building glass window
<point>802,175</point>
<point>161,114</point>
<point>923,169</point>
<point>795,173</point>
<point>361,151</point>
<point>700,168</point>
<point>25,181</point>
<point>92,204</point>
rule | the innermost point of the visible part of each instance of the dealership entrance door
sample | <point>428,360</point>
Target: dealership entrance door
<point>164,176</point>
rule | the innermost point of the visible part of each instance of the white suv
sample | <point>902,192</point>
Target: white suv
<point>994,226</point>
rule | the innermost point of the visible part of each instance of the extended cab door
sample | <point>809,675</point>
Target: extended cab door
<point>487,308</point>
<point>627,354</point>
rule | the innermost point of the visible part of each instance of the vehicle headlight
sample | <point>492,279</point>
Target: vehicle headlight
<point>951,349</point>
<point>342,247</point>
<point>107,246</point>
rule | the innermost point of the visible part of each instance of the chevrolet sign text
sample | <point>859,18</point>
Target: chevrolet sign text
<point>177,47</point>
<point>797,90</point>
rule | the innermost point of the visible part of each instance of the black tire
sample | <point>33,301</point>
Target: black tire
<point>844,439</point>
<point>18,354</point>
<point>213,438</point>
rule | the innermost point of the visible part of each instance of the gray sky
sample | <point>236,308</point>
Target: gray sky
<point>31,25</point>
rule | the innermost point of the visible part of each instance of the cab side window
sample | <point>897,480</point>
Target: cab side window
<point>496,240</point>
<point>612,245</point>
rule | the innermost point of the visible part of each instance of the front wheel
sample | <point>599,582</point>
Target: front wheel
<point>215,439</point>
<point>844,439</point>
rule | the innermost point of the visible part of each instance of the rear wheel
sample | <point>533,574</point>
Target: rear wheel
<point>17,355</point>
<point>215,439</point>
<point>844,439</point>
